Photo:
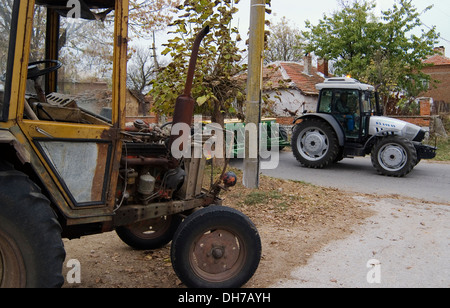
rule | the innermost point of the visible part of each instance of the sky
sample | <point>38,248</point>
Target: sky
<point>298,11</point>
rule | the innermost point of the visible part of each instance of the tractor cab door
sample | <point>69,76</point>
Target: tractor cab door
<point>369,108</point>
<point>344,105</point>
<point>71,110</point>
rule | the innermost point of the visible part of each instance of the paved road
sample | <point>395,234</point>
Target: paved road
<point>408,242</point>
<point>428,181</point>
<point>407,239</point>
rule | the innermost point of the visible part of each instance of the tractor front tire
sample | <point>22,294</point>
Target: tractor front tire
<point>31,249</point>
<point>315,144</point>
<point>394,156</point>
<point>216,247</point>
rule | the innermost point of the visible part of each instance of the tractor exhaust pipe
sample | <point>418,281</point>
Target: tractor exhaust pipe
<point>184,106</point>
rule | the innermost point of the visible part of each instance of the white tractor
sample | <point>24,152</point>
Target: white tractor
<point>349,123</point>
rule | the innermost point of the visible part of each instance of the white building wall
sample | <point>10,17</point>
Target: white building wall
<point>292,101</point>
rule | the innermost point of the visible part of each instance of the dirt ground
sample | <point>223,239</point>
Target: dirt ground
<point>294,220</point>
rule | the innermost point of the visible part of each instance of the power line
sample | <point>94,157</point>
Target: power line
<point>440,36</point>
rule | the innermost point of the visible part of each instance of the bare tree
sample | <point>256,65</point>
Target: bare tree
<point>142,69</point>
<point>284,43</point>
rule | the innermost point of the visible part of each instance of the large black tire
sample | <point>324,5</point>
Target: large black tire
<point>151,234</point>
<point>315,144</point>
<point>283,136</point>
<point>394,156</point>
<point>216,247</point>
<point>31,249</point>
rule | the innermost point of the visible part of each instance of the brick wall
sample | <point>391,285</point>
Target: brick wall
<point>424,120</point>
<point>285,121</point>
<point>418,120</point>
<point>439,91</point>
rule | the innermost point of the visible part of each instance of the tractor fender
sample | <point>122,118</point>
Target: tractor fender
<point>6,137</point>
<point>373,139</point>
<point>330,120</point>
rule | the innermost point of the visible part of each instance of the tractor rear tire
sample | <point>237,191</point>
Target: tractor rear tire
<point>150,234</point>
<point>216,247</point>
<point>31,249</point>
<point>394,156</point>
<point>315,144</point>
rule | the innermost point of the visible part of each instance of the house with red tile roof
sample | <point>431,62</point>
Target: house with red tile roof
<point>440,71</point>
<point>292,88</point>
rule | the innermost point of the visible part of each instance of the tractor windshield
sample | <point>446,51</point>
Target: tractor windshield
<point>71,64</point>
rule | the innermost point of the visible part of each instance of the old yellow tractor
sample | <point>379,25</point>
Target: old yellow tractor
<point>71,167</point>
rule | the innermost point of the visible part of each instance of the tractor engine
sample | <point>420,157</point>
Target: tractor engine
<point>148,172</point>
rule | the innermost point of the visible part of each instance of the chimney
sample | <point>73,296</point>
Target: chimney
<point>322,67</point>
<point>307,64</point>
<point>440,50</point>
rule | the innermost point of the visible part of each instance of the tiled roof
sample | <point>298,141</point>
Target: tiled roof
<point>438,60</point>
<point>273,78</point>
<point>303,82</point>
<point>291,75</point>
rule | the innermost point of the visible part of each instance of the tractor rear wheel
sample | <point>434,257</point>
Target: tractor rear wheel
<point>315,143</point>
<point>150,234</point>
<point>394,156</point>
<point>216,247</point>
<point>31,249</point>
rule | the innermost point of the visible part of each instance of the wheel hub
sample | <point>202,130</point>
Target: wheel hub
<point>393,157</point>
<point>217,252</point>
<point>313,144</point>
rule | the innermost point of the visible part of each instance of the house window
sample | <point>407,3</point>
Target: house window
<point>426,84</point>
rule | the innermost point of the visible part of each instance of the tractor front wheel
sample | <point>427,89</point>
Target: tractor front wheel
<point>394,156</point>
<point>216,247</point>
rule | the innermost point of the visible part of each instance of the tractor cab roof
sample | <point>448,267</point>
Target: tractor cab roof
<point>86,6</point>
<point>93,4</point>
<point>344,83</point>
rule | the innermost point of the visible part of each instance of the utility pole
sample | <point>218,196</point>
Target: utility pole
<point>161,118</point>
<point>154,53</point>
<point>254,88</point>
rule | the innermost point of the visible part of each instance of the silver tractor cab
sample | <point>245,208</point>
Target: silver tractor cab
<point>349,123</point>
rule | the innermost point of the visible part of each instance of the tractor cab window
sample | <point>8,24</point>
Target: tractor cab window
<point>71,63</point>
<point>369,103</point>
<point>325,101</point>
<point>369,108</point>
<point>6,19</point>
